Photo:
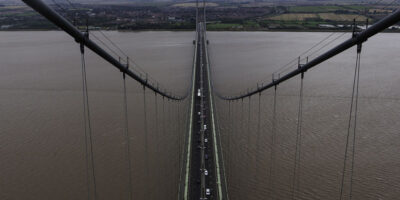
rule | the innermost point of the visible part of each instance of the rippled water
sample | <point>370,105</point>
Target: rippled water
<point>42,139</point>
<point>240,60</point>
<point>42,147</point>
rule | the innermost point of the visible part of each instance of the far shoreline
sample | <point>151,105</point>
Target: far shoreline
<point>192,30</point>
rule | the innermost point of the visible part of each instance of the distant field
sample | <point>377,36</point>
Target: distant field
<point>255,4</point>
<point>377,10</point>
<point>317,16</point>
<point>13,7</point>
<point>194,5</point>
<point>341,17</point>
<point>222,26</point>
<point>314,9</point>
<point>356,7</point>
<point>321,9</point>
<point>10,8</point>
<point>294,17</point>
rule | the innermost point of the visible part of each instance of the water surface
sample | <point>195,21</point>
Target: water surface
<point>242,59</point>
<point>42,143</point>
<point>42,147</point>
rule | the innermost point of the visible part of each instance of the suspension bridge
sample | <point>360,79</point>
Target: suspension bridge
<point>204,153</point>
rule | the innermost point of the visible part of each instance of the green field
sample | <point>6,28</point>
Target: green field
<point>317,16</point>
<point>356,7</point>
<point>314,9</point>
<point>186,5</point>
<point>320,9</point>
<point>218,26</point>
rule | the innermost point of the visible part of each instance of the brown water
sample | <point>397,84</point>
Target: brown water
<point>42,151</point>
<point>42,147</point>
<point>240,59</point>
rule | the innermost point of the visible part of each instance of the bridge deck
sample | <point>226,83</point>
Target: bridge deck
<point>202,173</point>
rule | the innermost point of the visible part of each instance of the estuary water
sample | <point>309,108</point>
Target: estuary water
<point>240,60</point>
<point>42,148</point>
<point>42,141</point>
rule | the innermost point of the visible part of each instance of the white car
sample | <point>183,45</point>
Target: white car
<point>205,140</point>
<point>205,172</point>
<point>208,192</point>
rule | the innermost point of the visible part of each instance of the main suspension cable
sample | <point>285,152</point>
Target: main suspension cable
<point>288,65</point>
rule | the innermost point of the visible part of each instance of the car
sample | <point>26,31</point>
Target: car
<point>205,140</point>
<point>206,156</point>
<point>208,192</point>
<point>205,172</point>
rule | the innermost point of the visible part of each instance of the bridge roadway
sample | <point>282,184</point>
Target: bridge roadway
<point>204,171</point>
<point>201,171</point>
